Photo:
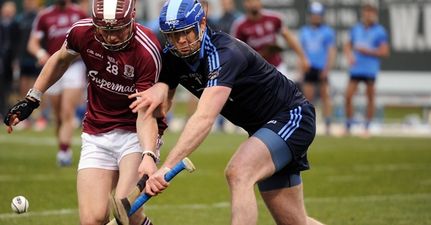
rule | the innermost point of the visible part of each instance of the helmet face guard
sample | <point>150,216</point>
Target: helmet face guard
<point>123,33</point>
<point>181,19</point>
<point>114,23</point>
<point>192,35</point>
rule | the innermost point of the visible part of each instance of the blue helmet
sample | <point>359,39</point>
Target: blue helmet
<point>181,15</point>
<point>316,8</point>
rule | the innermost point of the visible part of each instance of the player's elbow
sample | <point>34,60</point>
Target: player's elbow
<point>204,119</point>
<point>386,53</point>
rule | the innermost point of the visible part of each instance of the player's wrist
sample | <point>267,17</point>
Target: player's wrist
<point>165,169</point>
<point>148,153</point>
<point>41,53</point>
<point>34,95</point>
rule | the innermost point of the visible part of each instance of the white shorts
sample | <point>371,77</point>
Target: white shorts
<point>105,151</point>
<point>74,77</point>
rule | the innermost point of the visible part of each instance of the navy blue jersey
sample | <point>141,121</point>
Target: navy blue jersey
<point>259,90</point>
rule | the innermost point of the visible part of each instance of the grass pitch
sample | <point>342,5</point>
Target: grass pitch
<point>353,181</point>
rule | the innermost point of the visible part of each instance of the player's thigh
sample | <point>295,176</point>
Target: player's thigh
<point>286,205</point>
<point>351,89</point>
<point>252,161</point>
<point>94,186</point>
<point>311,80</point>
<point>370,89</point>
<point>70,99</point>
<point>324,91</point>
<point>288,137</point>
<point>55,104</point>
<point>129,175</point>
<point>308,89</point>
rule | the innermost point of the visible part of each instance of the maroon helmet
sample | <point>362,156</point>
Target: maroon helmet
<point>111,18</point>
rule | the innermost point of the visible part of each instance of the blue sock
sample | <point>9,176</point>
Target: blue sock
<point>367,124</point>
<point>328,121</point>
<point>349,123</point>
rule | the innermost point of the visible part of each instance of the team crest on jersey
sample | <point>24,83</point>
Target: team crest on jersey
<point>272,122</point>
<point>129,71</point>
<point>213,74</point>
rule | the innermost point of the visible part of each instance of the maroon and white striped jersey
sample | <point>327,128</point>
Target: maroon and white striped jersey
<point>52,24</point>
<point>113,75</point>
<point>260,34</point>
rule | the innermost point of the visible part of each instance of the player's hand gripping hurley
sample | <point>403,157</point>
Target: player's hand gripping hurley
<point>123,208</point>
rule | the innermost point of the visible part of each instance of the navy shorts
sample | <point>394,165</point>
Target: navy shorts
<point>363,78</point>
<point>313,76</point>
<point>30,70</point>
<point>288,136</point>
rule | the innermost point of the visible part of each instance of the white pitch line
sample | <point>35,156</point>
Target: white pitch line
<point>39,213</point>
<point>36,177</point>
<point>371,198</point>
<point>366,198</point>
<point>40,141</point>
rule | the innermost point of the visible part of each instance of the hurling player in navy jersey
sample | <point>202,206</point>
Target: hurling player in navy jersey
<point>122,57</point>
<point>230,78</point>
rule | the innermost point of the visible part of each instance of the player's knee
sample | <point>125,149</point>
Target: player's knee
<point>67,114</point>
<point>296,219</point>
<point>235,176</point>
<point>293,217</point>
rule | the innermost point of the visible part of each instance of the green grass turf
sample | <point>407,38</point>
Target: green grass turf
<point>353,181</point>
<point>399,114</point>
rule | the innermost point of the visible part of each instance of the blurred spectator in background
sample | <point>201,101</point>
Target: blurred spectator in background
<point>259,29</point>
<point>318,41</point>
<point>85,6</point>
<point>230,14</point>
<point>48,34</point>
<point>29,68</point>
<point>368,42</point>
<point>154,23</point>
<point>212,19</point>
<point>9,40</point>
<point>224,23</point>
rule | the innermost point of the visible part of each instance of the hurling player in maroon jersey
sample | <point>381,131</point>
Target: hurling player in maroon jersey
<point>118,146</point>
<point>47,36</point>
<point>259,29</point>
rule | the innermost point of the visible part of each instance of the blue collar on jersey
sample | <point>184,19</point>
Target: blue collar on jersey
<point>202,50</point>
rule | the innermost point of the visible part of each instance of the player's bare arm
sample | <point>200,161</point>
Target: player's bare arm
<point>35,48</point>
<point>348,53</point>
<point>147,129</point>
<point>195,131</point>
<point>51,72</point>
<point>294,44</point>
<point>332,52</point>
<point>54,68</point>
<point>166,106</point>
<point>381,51</point>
